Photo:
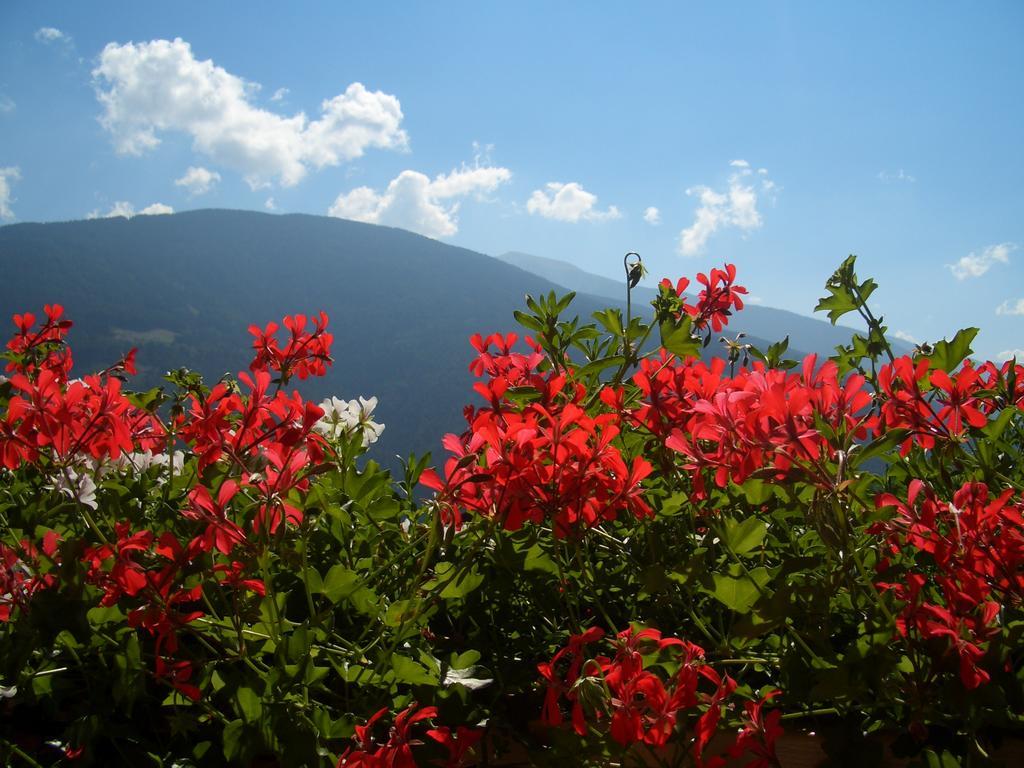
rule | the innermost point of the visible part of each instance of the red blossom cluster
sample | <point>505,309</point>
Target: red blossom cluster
<point>264,441</point>
<point>151,573</point>
<point>396,751</point>
<point>305,354</point>
<point>62,421</point>
<point>760,417</point>
<point>268,438</point>
<point>22,573</point>
<point>546,461</point>
<point>44,347</point>
<point>933,405</point>
<point>645,703</point>
<point>716,300</point>
<point>977,545</point>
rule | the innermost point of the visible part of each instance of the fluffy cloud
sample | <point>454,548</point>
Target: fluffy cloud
<point>156,209</point>
<point>51,35</point>
<point>279,94</point>
<point>1009,354</point>
<point>413,201</point>
<point>977,264</point>
<point>7,177</point>
<point>736,207</point>
<point>1011,307</point>
<point>160,86</point>
<point>198,180</point>
<point>893,176</point>
<point>568,202</point>
<point>127,210</point>
<point>652,215</point>
<point>903,336</point>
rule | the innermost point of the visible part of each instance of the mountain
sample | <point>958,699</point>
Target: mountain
<point>805,333</point>
<point>184,288</point>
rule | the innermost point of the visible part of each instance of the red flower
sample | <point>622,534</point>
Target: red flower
<point>759,733</point>
<point>976,543</point>
<point>396,752</point>
<point>543,462</point>
<point>221,533</point>
<point>304,354</point>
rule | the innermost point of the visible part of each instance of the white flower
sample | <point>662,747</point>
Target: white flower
<point>136,462</point>
<point>349,418</point>
<point>465,677</point>
<point>77,486</point>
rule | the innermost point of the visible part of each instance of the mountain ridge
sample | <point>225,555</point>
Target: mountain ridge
<point>185,287</point>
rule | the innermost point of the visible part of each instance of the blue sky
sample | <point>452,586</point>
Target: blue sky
<point>778,136</point>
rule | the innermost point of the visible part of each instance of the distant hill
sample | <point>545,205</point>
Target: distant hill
<point>184,288</point>
<point>805,333</point>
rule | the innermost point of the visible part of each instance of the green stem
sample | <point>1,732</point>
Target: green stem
<point>810,713</point>
<point>16,750</point>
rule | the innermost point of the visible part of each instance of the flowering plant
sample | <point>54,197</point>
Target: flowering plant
<point>631,555</point>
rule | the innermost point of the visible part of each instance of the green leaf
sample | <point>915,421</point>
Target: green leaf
<point>678,338</point>
<point>249,704</point>
<point>399,613</point>
<point>841,302</point>
<point>232,740</point>
<point>757,492</point>
<point>739,593</point>
<point>539,560</point>
<point>528,321</point>
<point>994,429</point>
<point>465,659</point>
<point>673,505</point>
<point>408,671</point>
<point>881,447</point>
<point>611,319</point>
<point>742,537</point>
<point>595,367</point>
<point>459,585</point>
<point>564,302</point>
<point>947,355</point>
<point>340,583</point>
<point>846,294</point>
<point>932,760</point>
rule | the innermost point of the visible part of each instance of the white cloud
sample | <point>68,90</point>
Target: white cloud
<point>7,177</point>
<point>903,336</point>
<point>269,204</point>
<point>1009,354</point>
<point>156,209</point>
<point>413,201</point>
<point>198,180</point>
<point>977,264</point>
<point>7,104</point>
<point>735,207</point>
<point>160,86</point>
<point>127,210</point>
<point>1011,307</point>
<point>51,35</point>
<point>279,94</point>
<point>892,176</point>
<point>568,202</point>
<point>652,215</point>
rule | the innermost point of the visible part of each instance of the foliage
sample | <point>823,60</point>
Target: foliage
<point>628,551</point>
